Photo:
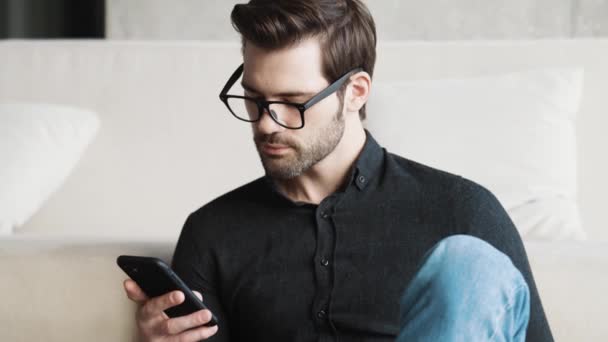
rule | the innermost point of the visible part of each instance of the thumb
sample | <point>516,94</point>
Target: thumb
<point>198,294</point>
<point>134,292</point>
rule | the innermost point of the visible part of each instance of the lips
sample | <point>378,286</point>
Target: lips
<point>274,148</point>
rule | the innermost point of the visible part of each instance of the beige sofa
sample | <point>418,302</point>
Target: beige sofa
<point>156,159</point>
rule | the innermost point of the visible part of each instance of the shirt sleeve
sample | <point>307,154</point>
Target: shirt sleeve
<point>195,265</point>
<point>480,214</point>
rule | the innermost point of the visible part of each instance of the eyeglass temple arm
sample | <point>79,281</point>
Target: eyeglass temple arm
<point>235,76</point>
<point>329,90</point>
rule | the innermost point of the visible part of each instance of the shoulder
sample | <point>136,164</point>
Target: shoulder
<point>421,178</point>
<point>243,195</point>
<point>219,210</point>
<point>478,211</point>
<point>460,187</point>
<point>464,198</point>
<point>472,198</point>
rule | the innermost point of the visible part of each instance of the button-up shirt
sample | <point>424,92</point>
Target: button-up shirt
<point>272,269</point>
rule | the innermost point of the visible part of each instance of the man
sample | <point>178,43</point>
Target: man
<point>340,240</point>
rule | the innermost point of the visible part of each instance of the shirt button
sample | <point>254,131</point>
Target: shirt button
<point>324,215</point>
<point>361,179</point>
<point>321,314</point>
<point>324,262</point>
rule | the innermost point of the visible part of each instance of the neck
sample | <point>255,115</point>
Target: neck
<point>329,174</point>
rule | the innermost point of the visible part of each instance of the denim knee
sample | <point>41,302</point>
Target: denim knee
<point>465,287</point>
<point>464,268</point>
<point>471,259</point>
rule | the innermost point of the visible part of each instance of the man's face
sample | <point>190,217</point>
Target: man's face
<point>292,74</point>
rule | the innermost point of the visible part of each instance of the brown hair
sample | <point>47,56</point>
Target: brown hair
<point>345,27</point>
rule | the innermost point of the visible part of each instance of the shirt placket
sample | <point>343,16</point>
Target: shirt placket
<point>323,267</point>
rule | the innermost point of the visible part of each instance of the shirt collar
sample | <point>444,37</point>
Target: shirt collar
<point>368,163</point>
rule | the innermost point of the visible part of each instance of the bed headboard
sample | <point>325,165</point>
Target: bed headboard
<point>167,145</point>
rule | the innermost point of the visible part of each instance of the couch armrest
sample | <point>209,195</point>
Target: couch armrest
<point>68,289</point>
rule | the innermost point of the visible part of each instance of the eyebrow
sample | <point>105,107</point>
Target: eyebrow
<point>282,94</point>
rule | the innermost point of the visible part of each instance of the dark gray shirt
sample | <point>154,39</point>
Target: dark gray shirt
<point>271,269</point>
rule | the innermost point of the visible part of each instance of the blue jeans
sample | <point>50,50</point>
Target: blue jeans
<point>465,290</point>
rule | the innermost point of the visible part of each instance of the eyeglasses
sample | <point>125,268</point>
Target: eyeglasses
<point>287,114</point>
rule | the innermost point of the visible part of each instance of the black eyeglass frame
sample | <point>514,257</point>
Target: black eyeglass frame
<point>263,104</point>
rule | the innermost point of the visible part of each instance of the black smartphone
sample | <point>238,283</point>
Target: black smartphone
<point>156,278</point>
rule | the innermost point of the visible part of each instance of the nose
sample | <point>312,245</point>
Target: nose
<point>266,125</point>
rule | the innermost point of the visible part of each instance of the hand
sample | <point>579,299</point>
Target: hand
<point>155,326</point>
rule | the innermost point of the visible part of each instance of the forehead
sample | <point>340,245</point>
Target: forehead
<point>297,67</point>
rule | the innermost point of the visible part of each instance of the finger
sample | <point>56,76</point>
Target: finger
<point>134,292</point>
<point>198,294</point>
<point>197,334</point>
<point>157,305</point>
<point>178,324</point>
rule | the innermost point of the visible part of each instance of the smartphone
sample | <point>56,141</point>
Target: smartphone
<point>156,278</point>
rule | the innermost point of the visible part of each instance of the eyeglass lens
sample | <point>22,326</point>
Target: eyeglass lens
<point>284,114</point>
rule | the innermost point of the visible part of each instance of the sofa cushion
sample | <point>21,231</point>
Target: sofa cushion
<point>39,145</point>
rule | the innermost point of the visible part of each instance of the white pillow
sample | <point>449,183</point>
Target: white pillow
<point>513,133</point>
<point>39,146</point>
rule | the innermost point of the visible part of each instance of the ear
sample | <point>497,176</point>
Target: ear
<point>357,91</point>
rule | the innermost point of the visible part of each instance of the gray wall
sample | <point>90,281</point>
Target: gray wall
<point>395,19</point>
